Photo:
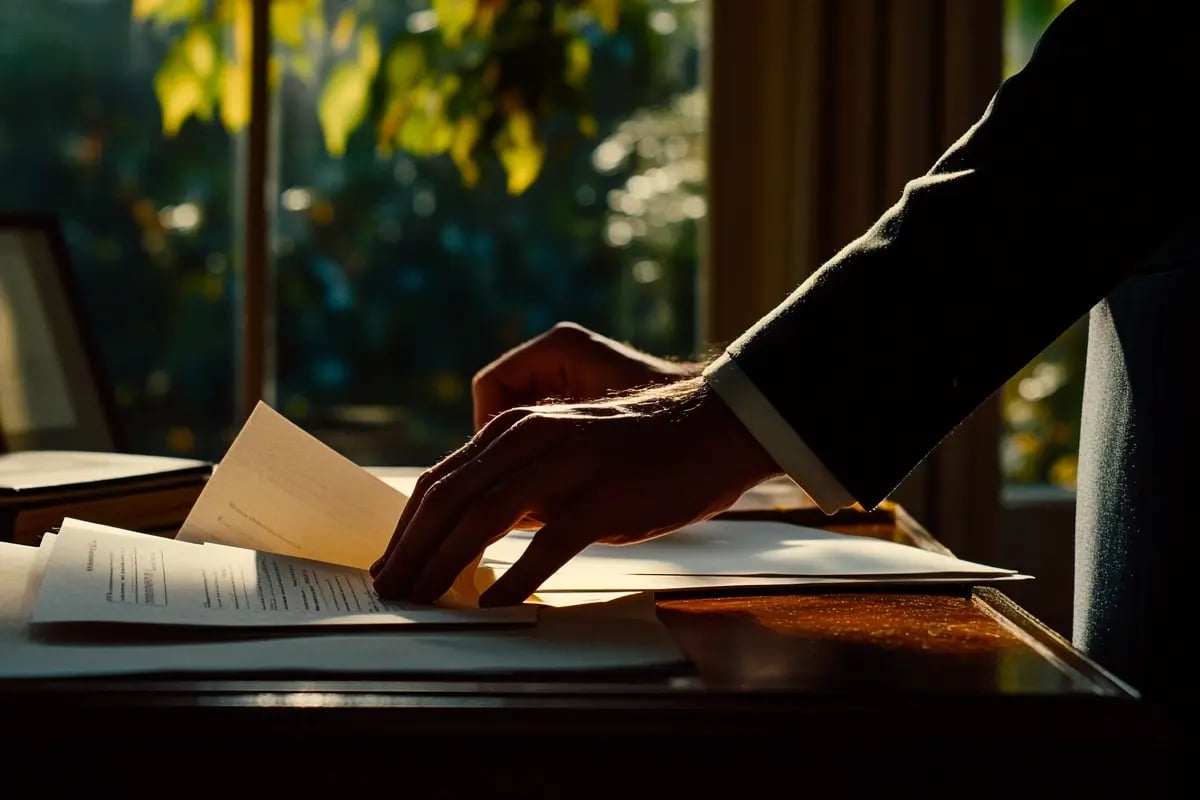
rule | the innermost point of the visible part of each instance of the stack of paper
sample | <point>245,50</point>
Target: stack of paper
<point>280,540</point>
<point>746,553</point>
<point>95,574</point>
<point>591,638</point>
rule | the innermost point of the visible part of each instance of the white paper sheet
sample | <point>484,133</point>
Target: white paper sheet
<point>621,635</point>
<point>725,553</point>
<point>101,574</point>
<point>42,469</point>
<point>568,599</point>
<point>280,490</point>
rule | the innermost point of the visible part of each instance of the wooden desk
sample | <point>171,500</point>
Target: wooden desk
<point>948,692</point>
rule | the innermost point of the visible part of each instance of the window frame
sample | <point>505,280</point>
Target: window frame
<point>819,111</point>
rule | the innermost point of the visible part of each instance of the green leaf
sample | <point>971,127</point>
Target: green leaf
<point>343,29</point>
<point>166,12</point>
<point>578,62</point>
<point>180,88</point>
<point>520,152</point>
<point>289,19</point>
<point>235,96</point>
<point>425,129</point>
<point>199,48</point>
<point>405,66</point>
<point>607,12</point>
<point>368,49</point>
<point>343,104</point>
<point>454,17</point>
<point>462,149</point>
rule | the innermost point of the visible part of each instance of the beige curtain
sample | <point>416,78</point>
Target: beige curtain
<point>821,110</point>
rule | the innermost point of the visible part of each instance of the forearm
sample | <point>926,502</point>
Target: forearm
<point>1075,173</point>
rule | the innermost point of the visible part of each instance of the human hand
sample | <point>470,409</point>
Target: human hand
<point>615,471</point>
<point>567,363</point>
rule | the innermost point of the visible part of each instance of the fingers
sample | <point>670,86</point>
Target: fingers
<point>510,380</point>
<point>443,468</point>
<point>489,517</point>
<point>551,547</point>
<point>439,509</point>
<point>529,372</point>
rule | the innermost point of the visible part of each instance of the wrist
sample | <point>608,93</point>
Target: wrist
<point>731,439</point>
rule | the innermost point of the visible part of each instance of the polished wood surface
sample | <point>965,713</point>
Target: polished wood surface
<point>854,642</point>
<point>947,683</point>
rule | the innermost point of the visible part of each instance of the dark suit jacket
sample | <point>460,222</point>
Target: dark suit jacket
<point>1083,165</point>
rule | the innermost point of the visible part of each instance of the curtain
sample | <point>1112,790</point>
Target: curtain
<point>820,111</point>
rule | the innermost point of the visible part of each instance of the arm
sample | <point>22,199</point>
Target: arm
<point>1082,164</point>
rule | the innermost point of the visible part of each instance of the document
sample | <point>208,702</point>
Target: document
<point>731,553</point>
<point>593,638</point>
<point>100,574</point>
<point>280,490</point>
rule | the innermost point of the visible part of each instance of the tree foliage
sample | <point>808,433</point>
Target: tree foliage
<point>467,78</point>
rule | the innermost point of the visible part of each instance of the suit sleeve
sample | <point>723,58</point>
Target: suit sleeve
<point>1083,163</point>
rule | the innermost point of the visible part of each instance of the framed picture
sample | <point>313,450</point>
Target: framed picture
<point>54,393</point>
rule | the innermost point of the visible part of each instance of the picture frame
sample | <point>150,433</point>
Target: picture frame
<point>54,391</point>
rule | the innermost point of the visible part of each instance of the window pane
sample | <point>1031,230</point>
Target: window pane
<point>1041,404</point>
<point>146,217</point>
<point>450,187</point>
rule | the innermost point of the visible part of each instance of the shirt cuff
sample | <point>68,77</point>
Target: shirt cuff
<point>776,436</point>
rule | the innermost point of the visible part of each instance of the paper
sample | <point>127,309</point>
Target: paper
<point>280,490</point>
<point>40,469</point>
<point>569,599</point>
<point>101,574</point>
<point>774,493</point>
<point>725,553</point>
<point>616,636</point>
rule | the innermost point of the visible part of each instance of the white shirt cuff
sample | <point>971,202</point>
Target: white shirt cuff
<point>776,436</point>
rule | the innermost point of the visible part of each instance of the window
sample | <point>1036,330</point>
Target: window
<point>405,262</point>
<point>147,219</point>
<point>445,180</point>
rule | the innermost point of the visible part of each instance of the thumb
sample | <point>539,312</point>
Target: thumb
<point>550,548</point>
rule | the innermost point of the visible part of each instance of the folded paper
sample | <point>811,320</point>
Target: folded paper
<point>591,638</point>
<point>280,490</point>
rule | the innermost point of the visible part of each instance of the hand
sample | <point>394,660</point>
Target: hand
<point>567,363</point>
<point>616,471</point>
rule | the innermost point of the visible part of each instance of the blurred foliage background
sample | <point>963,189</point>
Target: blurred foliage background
<point>1041,405</point>
<point>451,178</point>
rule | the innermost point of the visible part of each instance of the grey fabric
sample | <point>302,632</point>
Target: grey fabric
<point>1138,475</point>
